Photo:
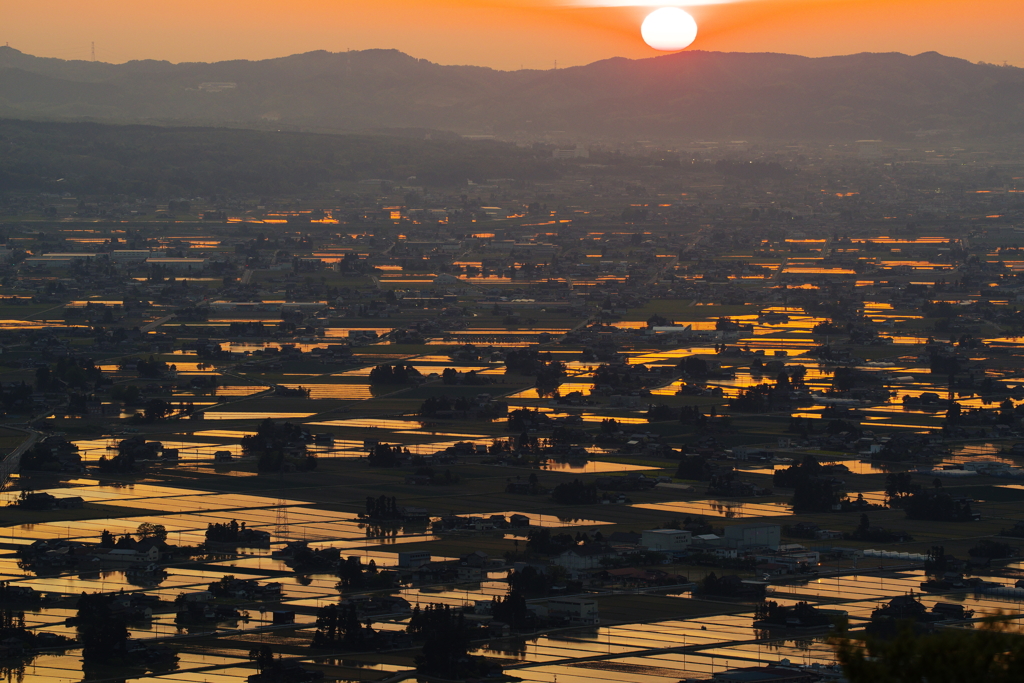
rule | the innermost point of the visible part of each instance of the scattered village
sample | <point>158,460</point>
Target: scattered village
<point>679,425</point>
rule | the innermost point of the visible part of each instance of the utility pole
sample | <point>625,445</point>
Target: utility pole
<point>94,51</point>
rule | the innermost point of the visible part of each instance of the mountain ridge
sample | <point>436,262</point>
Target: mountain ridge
<point>690,94</point>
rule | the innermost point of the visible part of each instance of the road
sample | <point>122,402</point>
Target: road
<point>12,462</point>
<point>156,323</point>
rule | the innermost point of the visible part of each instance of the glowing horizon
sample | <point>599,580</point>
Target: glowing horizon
<point>506,34</point>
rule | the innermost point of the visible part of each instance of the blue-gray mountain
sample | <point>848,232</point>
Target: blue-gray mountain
<point>681,96</point>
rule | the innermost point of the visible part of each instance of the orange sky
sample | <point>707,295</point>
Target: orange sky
<point>504,34</point>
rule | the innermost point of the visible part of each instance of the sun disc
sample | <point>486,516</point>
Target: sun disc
<point>669,29</point>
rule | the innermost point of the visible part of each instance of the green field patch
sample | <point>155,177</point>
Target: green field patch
<point>456,391</point>
<point>989,494</point>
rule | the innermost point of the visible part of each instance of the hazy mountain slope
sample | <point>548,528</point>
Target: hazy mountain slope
<point>168,161</point>
<point>686,95</point>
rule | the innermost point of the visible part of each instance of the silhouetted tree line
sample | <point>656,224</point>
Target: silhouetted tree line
<point>575,492</point>
<point>339,627</point>
<point>73,373</point>
<point>447,637</point>
<point>393,374</point>
<point>813,491</point>
<point>382,508</point>
<point>383,455</point>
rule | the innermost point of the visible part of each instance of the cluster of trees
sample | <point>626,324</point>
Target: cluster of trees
<point>933,504</point>
<point>122,463</point>
<point>531,582</point>
<point>145,533</point>
<point>445,478</point>
<point>575,492</point>
<point>989,549</point>
<point>692,415</point>
<point>757,399</point>
<point>533,480</point>
<point>382,508</point>
<point>846,378</point>
<point>899,486</point>
<point>938,506</point>
<point>696,467</point>
<point>610,426</point>
<point>339,627</point>
<point>522,419</point>
<point>383,455</point>
<point>129,394</point>
<point>353,574</point>
<point>279,445</point>
<point>7,595</point>
<point>102,632</point>
<point>270,435</point>
<point>660,413</point>
<point>451,376</point>
<point>68,373</point>
<point>308,560</point>
<point>447,636</point>
<point>532,362</point>
<point>631,377</point>
<point>766,397</point>
<point>393,374</point>
<point>772,612</point>
<point>229,532</point>
<point>874,534</point>
<point>693,367</point>
<point>812,490</point>
<point>148,530</point>
<point>993,653</point>
<point>42,455</point>
<point>12,625</point>
<point>728,586</point>
<point>438,404</point>
<point>526,361</point>
<point>543,542</point>
<point>152,368</point>
<point>16,397</point>
<point>721,481</point>
<point>278,461</point>
<point>156,409</point>
<point>511,609</point>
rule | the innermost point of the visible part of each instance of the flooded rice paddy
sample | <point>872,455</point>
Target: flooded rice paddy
<point>663,651</point>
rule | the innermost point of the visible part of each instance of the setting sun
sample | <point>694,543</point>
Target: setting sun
<point>669,29</point>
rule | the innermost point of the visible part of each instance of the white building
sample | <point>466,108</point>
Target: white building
<point>413,559</point>
<point>579,611</point>
<point>128,555</point>
<point>753,536</point>
<point>121,255</point>
<point>667,540</point>
<point>792,560</point>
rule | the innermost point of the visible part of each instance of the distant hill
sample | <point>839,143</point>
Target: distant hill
<point>688,95</point>
<point>166,161</point>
